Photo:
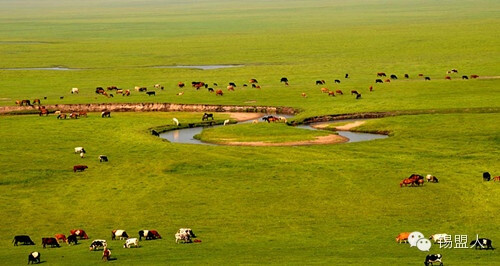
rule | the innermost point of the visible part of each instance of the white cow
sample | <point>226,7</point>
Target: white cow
<point>121,234</point>
<point>226,122</point>
<point>79,150</point>
<point>440,238</point>
<point>186,231</point>
<point>185,238</point>
<point>176,121</point>
<point>75,90</point>
<point>131,241</point>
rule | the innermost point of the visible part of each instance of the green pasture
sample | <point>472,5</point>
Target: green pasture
<point>323,204</point>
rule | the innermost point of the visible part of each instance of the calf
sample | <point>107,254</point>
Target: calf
<point>98,243</point>
<point>121,234</point>
<point>50,241</point>
<point>79,168</point>
<point>34,257</point>
<point>131,241</point>
<point>24,239</point>
<point>433,258</point>
<point>72,239</point>
<point>149,93</point>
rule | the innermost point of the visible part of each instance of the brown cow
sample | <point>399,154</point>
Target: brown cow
<point>230,88</point>
<point>354,92</point>
<point>339,92</point>
<point>402,237</point>
<point>79,232</point>
<point>447,77</point>
<point>43,111</point>
<point>387,80</point>
<point>496,178</point>
<point>61,237</point>
<point>74,115</point>
<point>474,76</point>
<point>50,241</point>
<point>324,90</point>
<point>253,81</point>
<point>79,167</point>
<point>61,116</point>
<point>304,95</point>
<point>219,92</point>
<point>331,93</point>
<point>82,113</point>
<point>381,74</point>
<point>36,101</point>
<point>371,88</point>
<point>126,93</point>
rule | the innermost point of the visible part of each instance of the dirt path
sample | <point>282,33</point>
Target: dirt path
<point>345,127</point>
<point>330,139</point>
<point>245,116</point>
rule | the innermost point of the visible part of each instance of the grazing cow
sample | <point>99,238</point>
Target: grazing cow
<point>155,133</point>
<point>50,241</point>
<point>226,122</point>
<point>245,85</point>
<point>440,238</point>
<point>80,150</point>
<point>407,76</point>
<point>320,82</point>
<point>232,84</point>
<point>24,239</point>
<point>126,93</point>
<point>337,81</point>
<point>155,234</point>
<point>141,89</point>
<point>402,237</point>
<point>121,234</point>
<point>219,92</point>
<point>331,93</point>
<point>465,77</point>
<point>394,76</point>
<point>186,231</point>
<point>119,91</point>
<point>255,86</point>
<point>270,118</point>
<point>98,243</point>
<point>106,114</point>
<point>36,101</point>
<point>180,85</point>
<point>158,86</point>
<point>26,102</point>
<point>486,176</point>
<point>104,158</point>
<point>43,111</point>
<point>381,74</point>
<point>354,92</point>
<point>346,76</point>
<point>110,88</point>
<point>176,121</point>
<point>230,88</point>
<point>62,97</point>
<point>339,92</point>
<point>474,76</point>
<point>210,89</point>
<point>387,80</point>
<point>82,113</point>
<point>72,239</point>
<point>75,90</point>
<point>206,116</point>
<point>99,90</point>
<point>183,236</point>
<point>79,168</point>
<point>358,96</point>
<point>427,78</point>
<point>34,257</point>
<point>482,243</point>
<point>74,115</point>
<point>371,88</point>
<point>304,95</point>
<point>378,81</point>
<point>255,121</point>
<point>149,93</point>
<point>61,237</point>
<point>433,258</point>
<point>496,178</point>
<point>284,79</point>
<point>432,179</point>
<point>131,241</point>
<point>324,90</point>
<point>61,116</point>
<point>180,93</point>
<point>197,84</point>
<point>148,235</point>
<point>282,119</point>
<point>253,81</point>
<point>454,70</point>
<point>447,77</point>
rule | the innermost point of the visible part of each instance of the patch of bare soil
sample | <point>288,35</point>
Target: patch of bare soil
<point>245,116</point>
<point>330,139</point>
<point>345,127</point>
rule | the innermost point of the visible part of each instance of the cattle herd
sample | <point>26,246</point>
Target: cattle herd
<point>183,235</point>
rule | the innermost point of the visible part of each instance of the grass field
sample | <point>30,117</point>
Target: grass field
<point>328,204</point>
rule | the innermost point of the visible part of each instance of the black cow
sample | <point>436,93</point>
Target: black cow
<point>98,243</point>
<point>34,257</point>
<point>482,243</point>
<point>147,234</point>
<point>210,89</point>
<point>106,114</point>
<point>72,239</point>
<point>465,77</point>
<point>427,78</point>
<point>407,76</point>
<point>433,258</point>
<point>206,116</point>
<point>346,76</point>
<point>378,81</point>
<point>320,82</point>
<point>24,239</point>
<point>155,133</point>
<point>149,93</point>
<point>394,76</point>
<point>283,79</point>
<point>50,241</point>
<point>104,158</point>
<point>337,81</point>
<point>486,176</point>
<point>358,96</point>
<point>232,84</point>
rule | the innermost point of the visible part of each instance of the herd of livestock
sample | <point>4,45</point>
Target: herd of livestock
<point>183,235</point>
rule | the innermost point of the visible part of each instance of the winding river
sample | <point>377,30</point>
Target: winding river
<point>186,135</point>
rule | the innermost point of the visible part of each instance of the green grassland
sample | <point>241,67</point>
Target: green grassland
<point>329,204</point>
